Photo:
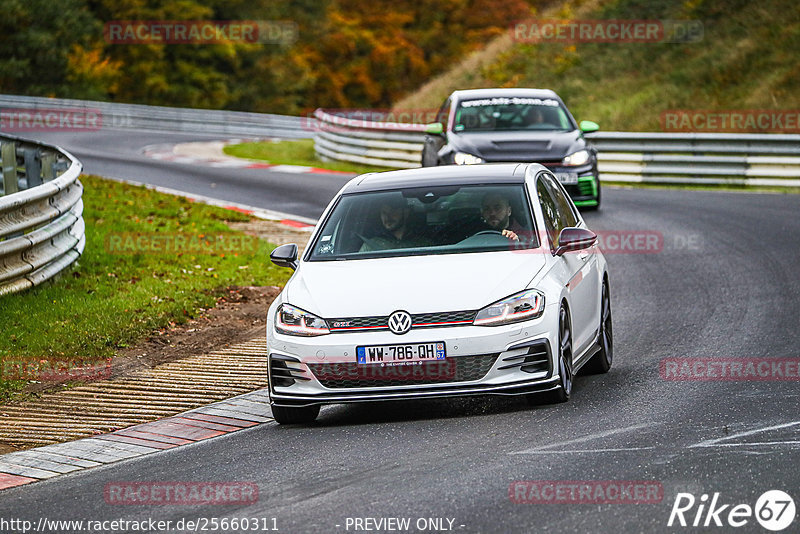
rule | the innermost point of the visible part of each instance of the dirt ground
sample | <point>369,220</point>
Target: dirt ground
<point>240,315</point>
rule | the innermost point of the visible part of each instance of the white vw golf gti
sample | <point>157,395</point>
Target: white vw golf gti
<point>434,282</point>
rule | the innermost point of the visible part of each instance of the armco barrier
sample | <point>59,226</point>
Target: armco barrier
<point>684,158</point>
<point>386,144</point>
<point>41,227</point>
<point>699,158</point>
<point>164,119</point>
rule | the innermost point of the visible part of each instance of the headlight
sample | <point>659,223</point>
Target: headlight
<point>520,307</point>
<point>297,322</point>
<point>576,158</point>
<point>462,158</point>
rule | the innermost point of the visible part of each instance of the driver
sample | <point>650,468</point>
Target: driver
<point>496,214</point>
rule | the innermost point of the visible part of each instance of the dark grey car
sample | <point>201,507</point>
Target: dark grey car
<point>516,125</point>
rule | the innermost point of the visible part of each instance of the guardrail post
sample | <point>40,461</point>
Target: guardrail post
<point>48,166</point>
<point>8,154</point>
<point>33,167</point>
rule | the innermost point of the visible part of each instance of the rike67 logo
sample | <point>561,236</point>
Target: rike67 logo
<point>774,510</point>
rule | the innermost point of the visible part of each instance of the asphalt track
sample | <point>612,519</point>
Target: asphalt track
<point>723,283</point>
<point>119,154</point>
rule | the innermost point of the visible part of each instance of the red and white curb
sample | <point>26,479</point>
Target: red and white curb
<point>211,154</point>
<point>225,417</point>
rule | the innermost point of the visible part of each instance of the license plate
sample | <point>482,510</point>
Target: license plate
<point>400,354</point>
<point>568,178</point>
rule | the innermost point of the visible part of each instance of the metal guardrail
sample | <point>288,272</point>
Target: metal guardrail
<point>158,118</point>
<point>699,158</point>
<point>385,144</point>
<point>41,224</point>
<point>684,158</point>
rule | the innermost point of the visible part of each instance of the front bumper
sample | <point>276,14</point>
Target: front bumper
<point>585,192</point>
<point>521,362</point>
<point>533,386</point>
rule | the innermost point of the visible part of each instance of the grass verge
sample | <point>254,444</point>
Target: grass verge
<point>122,289</point>
<point>299,152</point>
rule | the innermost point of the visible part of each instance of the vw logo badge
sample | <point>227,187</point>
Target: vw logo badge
<point>400,322</point>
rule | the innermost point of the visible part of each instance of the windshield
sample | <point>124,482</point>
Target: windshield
<point>421,221</point>
<point>511,114</point>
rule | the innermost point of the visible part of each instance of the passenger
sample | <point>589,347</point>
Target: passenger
<point>395,229</point>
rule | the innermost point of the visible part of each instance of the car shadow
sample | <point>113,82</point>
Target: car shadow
<point>423,410</point>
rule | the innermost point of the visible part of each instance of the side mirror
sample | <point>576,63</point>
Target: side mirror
<point>285,256</point>
<point>434,128</point>
<point>589,126</point>
<point>574,239</point>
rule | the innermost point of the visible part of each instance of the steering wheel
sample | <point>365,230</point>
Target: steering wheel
<point>488,232</point>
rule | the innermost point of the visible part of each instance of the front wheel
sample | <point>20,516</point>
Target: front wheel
<point>564,362</point>
<point>601,361</point>
<point>295,416</point>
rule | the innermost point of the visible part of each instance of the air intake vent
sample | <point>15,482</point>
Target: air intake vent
<point>535,360</point>
<point>281,375</point>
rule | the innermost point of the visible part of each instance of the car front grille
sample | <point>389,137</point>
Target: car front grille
<point>351,375</point>
<point>419,320</point>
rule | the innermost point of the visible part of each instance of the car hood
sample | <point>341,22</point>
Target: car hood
<point>417,284</point>
<point>518,146</point>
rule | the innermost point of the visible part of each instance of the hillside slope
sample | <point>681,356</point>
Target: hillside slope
<point>748,58</point>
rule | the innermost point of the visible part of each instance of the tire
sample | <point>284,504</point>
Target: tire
<point>564,361</point>
<point>295,416</point>
<point>602,360</point>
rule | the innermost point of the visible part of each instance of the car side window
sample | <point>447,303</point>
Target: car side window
<point>563,207</point>
<point>552,222</point>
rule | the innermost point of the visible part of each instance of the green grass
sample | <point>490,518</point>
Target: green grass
<point>746,60</point>
<point>300,152</point>
<point>112,300</point>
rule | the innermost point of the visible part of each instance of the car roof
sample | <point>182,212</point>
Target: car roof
<point>469,94</point>
<point>492,173</point>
